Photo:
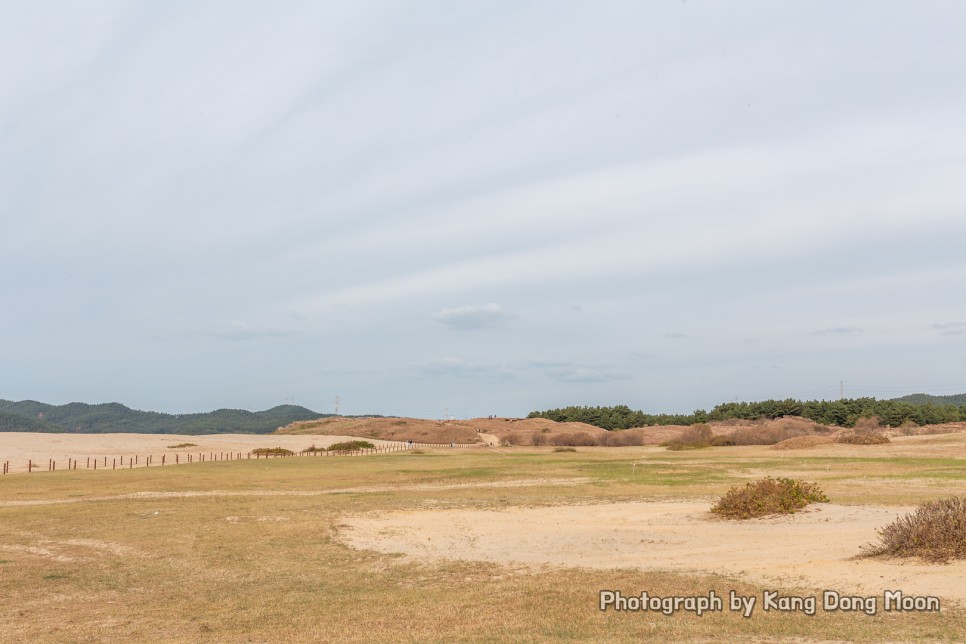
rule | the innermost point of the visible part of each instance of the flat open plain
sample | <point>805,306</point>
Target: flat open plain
<point>457,544</point>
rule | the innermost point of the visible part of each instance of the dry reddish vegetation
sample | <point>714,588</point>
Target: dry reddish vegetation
<point>527,432</point>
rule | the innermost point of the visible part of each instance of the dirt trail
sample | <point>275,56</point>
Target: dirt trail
<point>812,549</point>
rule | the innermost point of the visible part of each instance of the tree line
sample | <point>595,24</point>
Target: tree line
<point>843,413</point>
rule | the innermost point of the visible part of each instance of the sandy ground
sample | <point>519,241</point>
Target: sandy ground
<point>18,447</point>
<point>811,549</point>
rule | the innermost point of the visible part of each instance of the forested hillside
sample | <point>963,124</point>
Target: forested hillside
<point>33,416</point>
<point>956,400</point>
<point>843,413</point>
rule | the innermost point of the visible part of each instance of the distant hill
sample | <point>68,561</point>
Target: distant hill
<point>956,400</point>
<point>33,416</point>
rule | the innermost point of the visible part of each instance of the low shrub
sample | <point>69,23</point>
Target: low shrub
<point>803,442</point>
<point>862,439</point>
<point>909,428</point>
<point>936,531</point>
<point>519,438</point>
<point>350,446</point>
<point>620,438</point>
<point>868,424</point>
<point>181,445</point>
<point>763,435</point>
<point>565,449</point>
<point>272,451</point>
<point>575,439</point>
<point>694,437</point>
<point>766,497</point>
<point>314,449</point>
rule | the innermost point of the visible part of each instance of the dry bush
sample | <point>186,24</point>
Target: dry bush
<point>820,429</point>
<point>803,442</point>
<point>620,438</point>
<point>518,438</point>
<point>763,435</point>
<point>862,439</point>
<point>565,449</point>
<point>766,497</point>
<point>694,437</point>
<point>723,440</point>
<point>575,439</point>
<point>936,531</point>
<point>909,428</point>
<point>867,425</point>
<point>540,439</point>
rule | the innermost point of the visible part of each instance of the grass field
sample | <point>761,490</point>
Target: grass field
<point>255,551</point>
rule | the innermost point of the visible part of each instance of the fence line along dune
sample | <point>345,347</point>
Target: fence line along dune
<point>112,451</point>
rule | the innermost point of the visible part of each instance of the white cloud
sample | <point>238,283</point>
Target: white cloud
<point>472,317</point>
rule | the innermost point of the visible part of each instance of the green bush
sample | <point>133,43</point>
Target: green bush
<point>564,449</point>
<point>766,497</point>
<point>272,451</point>
<point>350,446</point>
<point>936,531</point>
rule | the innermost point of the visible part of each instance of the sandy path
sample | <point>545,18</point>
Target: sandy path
<point>811,549</point>
<point>18,447</point>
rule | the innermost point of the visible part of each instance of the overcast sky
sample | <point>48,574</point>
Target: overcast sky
<point>478,208</point>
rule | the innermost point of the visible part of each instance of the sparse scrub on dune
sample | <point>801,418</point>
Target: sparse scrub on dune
<point>621,438</point>
<point>763,435</point>
<point>272,451</point>
<point>575,439</point>
<point>766,497</point>
<point>862,439</point>
<point>519,439</point>
<point>182,445</point>
<point>936,531</point>
<point>694,437</point>
<point>350,446</point>
<point>803,442</point>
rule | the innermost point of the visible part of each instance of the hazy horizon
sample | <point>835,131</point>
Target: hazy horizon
<point>480,208</point>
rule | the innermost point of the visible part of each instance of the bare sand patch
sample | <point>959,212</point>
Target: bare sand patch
<point>810,549</point>
<point>19,447</point>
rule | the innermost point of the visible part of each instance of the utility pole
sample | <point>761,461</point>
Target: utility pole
<point>336,405</point>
